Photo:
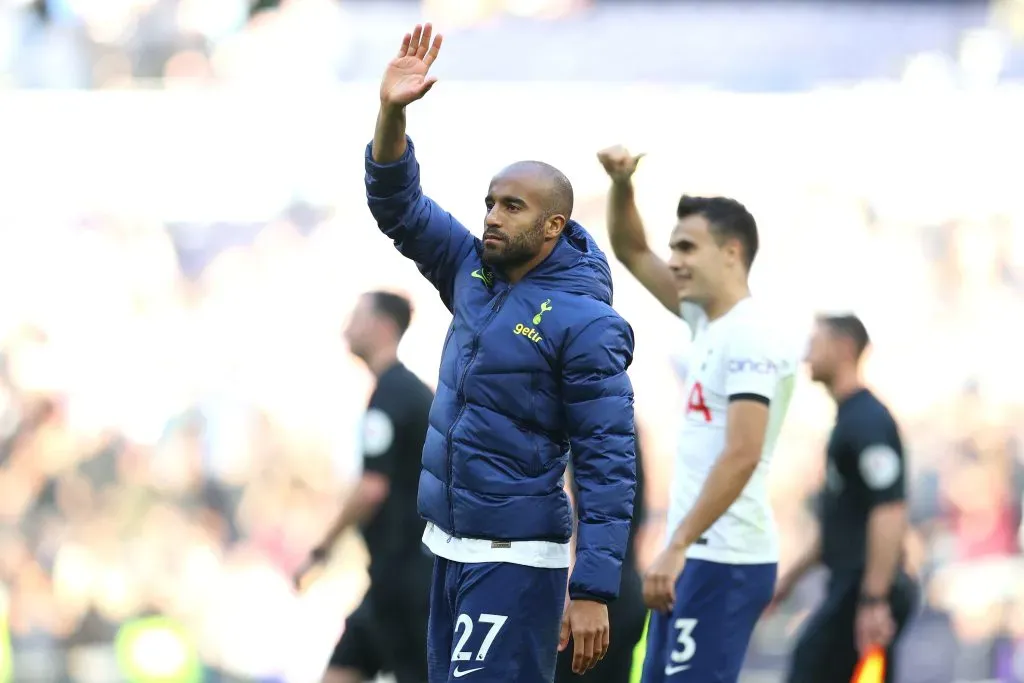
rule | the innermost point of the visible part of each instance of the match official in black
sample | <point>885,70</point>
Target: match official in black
<point>388,631</point>
<point>863,520</point>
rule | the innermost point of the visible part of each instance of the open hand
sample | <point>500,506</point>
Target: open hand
<point>619,163</point>
<point>406,80</point>
<point>660,580</point>
<point>586,621</point>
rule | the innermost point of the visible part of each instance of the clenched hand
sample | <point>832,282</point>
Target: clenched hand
<point>618,163</point>
<point>874,627</point>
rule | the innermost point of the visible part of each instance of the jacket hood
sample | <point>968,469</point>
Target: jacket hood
<point>576,265</point>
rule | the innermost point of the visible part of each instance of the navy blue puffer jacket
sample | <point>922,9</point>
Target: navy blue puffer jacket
<point>530,373</point>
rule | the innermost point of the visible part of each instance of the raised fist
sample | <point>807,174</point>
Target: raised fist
<point>618,162</point>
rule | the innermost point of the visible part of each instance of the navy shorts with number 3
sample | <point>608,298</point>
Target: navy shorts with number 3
<point>705,638</point>
<point>494,621</point>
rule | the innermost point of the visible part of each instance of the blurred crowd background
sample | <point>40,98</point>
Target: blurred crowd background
<point>183,231</point>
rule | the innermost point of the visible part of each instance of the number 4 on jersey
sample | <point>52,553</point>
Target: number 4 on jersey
<point>695,403</point>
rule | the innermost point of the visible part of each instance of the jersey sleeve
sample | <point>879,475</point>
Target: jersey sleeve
<point>379,435</point>
<point>754,365</point>
<point>880,461</point>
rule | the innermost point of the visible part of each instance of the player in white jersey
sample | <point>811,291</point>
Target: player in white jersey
<point>717,571</point>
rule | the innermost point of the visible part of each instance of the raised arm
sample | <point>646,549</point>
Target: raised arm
<point>626,230</point>
<point>421,230</point>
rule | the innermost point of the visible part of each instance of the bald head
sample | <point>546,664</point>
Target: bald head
<point>552,185</point>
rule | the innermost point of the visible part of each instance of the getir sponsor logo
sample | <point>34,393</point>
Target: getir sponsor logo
<point>528,332</point>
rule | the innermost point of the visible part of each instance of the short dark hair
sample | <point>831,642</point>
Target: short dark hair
<point>395,307</point>
<point>728,218</point>
<point>849,327</point>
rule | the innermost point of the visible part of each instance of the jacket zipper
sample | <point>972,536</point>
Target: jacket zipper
<point>495,309</point>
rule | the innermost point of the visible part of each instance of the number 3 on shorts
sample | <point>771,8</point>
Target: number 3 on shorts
<point>679,656</point>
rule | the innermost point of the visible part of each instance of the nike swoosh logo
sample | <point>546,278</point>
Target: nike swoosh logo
<point>460,674</point>
<point>671,670</point>
<point>478,275</point>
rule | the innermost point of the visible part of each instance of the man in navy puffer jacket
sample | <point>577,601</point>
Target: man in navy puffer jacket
<point>533,369</point>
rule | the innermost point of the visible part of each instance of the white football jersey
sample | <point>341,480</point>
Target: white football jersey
<point>744,353</point>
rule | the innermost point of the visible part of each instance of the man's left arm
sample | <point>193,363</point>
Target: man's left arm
<point>881,469</point>
<point>751,384</point>
<point>598,403</point>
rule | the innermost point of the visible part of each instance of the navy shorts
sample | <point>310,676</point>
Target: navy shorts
<point>705,638</point>
<point>495,620</point>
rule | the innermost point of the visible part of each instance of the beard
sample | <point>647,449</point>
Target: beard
<point>516,251</point>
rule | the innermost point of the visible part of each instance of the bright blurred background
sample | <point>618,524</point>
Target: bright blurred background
<point>183,231</point>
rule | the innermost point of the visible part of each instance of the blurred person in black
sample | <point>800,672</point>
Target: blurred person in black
<point>388,631</point>
<point>627,614</point>
<point>863,520</point>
